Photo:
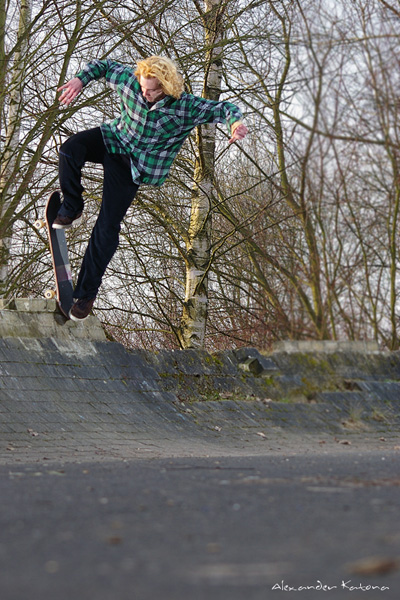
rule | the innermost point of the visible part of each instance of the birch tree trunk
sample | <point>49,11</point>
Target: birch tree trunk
<point>3,65</point>
<point>12,133</point>
<point>198,245</point>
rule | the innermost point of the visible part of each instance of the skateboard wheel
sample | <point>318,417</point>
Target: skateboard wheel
<point>49,294</point>
<point>39,224</point>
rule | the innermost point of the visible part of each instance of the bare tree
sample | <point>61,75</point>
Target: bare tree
<point>36,56</point>
<point>9,162</point>
<point>292,234</point>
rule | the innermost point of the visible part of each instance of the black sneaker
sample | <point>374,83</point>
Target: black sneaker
<point>81,309</point>
<point>66,222</point>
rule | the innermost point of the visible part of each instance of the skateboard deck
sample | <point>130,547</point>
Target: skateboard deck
<point>59,253</point>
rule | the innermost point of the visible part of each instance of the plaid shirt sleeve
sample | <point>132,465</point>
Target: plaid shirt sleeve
<point>152,134</point>
<point>113,72</point>
<point>211,111</point>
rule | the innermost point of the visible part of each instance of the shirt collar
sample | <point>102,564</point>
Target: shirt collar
<point>161,103</point>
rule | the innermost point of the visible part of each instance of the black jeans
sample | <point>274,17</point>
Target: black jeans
<point>118,193</point>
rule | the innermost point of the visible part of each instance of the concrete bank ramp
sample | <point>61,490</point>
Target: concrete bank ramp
<point>66,393</point>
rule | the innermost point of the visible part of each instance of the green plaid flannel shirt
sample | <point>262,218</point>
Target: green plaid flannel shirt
<point>152,136</point>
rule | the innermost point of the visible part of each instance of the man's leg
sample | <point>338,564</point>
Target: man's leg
<point>86,146</point>
<point>118,193</point>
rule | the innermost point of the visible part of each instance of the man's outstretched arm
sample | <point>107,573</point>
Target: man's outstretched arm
<point>112,71</point>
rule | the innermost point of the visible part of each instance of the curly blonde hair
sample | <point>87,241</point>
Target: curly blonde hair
<point>165,71</point>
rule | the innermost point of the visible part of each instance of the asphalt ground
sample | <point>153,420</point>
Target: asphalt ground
<point>114,487</point>
<point>306,516</point>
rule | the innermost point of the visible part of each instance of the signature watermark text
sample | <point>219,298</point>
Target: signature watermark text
<point>323,587</point>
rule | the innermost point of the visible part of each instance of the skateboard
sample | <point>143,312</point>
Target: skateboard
<point>59,254</point>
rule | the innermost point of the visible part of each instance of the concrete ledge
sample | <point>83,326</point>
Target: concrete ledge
<point>28,324</point>
<point>35,305</point>
<point>326,346</point>
<point>29,304</point>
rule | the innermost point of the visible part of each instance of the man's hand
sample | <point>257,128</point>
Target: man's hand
<point>70,90</point>
<point>239,133</point>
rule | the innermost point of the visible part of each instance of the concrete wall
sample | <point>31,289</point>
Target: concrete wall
<point>62,382</point>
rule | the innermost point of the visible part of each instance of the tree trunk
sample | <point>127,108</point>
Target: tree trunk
<point>195,308</point>
<point>12,136</point>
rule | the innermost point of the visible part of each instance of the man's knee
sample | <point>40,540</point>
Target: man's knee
<point>69,148</point>
<point>84,146</point>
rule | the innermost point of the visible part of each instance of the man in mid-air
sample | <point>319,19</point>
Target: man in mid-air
<point>157,115</point>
